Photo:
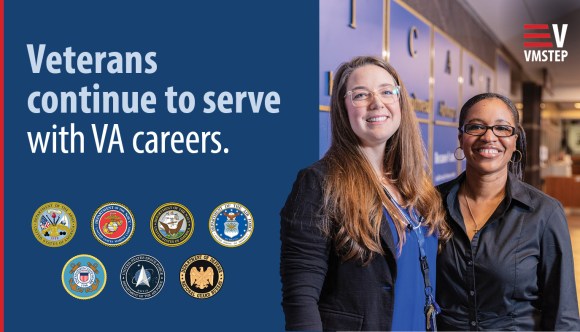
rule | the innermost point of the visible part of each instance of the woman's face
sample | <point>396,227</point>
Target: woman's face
<point>490,152</point>
<point>377,118</point>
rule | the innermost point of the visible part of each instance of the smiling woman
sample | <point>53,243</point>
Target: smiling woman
<point>360,224</point>
<point>509,263</point>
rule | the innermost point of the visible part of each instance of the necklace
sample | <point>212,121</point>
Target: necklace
<point>476,229</point>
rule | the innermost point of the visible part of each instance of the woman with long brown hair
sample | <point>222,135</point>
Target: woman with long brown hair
<point>360,226</point>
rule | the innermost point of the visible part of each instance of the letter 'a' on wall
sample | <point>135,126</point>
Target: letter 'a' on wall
<point>446,91</point>
<point>446,72</point>
<point>347,29</point>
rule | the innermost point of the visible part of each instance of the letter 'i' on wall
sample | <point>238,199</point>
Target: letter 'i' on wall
<point>471,72</point>
<point>352,14</point>
<point>448,63</point>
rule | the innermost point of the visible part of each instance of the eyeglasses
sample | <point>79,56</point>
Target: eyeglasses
<point>362,97</point>
<point>477,129</point>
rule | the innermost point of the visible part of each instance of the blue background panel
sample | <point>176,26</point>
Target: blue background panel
<point>444,144</point>
<point>471,74</point>
<point>325,135</point>
<point>339,42</point>
<point>201,46</point>
<point>413,70</point>
<point>446,70</point>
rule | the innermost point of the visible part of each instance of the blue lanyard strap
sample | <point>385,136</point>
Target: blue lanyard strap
<point>414,223</point>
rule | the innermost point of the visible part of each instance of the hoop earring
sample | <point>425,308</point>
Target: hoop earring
<point>461,154</point>
<point>517,161</point>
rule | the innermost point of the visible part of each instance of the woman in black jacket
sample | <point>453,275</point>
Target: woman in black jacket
<point>351,226</point>
<point>509,263</point>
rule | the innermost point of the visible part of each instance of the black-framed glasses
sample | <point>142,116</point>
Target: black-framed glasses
<point>477,129</point>
<point>361,97</point>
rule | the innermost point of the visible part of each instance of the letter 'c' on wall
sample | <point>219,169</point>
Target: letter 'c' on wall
<point>413,34</point>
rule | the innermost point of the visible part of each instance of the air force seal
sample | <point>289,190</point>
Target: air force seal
<point>231,224</point>
<point>142,277</point>
<point>172,224</point>
<point>201,276</point>
<point>54,224</point>
<point>113,224</point>
<point>84,277</point>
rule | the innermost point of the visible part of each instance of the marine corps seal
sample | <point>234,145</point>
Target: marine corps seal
<point>54,224</point>
<point>201,276</point>
<point>172,224</point>
<point>142,277</point>
<point>113,224</point>
<point>231,224</point>
<point>84,277</point>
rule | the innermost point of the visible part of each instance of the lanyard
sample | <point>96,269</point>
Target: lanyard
<point>431,307</point>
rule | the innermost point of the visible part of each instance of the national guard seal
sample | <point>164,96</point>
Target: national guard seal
<point>113,224</point>
<point>142,277</point>
<point>54,224</point>
<point>231,224</point>
<point>172,224</point>
<point>84,277</point>
<point>201,276</point>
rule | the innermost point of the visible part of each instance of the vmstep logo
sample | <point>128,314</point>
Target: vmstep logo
<point>538,46</point>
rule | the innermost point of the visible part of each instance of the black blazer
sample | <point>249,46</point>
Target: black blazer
<point>320,291</point>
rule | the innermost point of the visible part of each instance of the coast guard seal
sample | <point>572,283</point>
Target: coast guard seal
<point>172,224</point>
<point>231,224</point>
<point>113,224</point>
<point>142,277</point>
<point>201,276</point>
<point>84,277</point>
<point>54,224</point>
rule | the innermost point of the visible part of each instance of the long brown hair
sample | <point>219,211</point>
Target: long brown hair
<point>353,194</point>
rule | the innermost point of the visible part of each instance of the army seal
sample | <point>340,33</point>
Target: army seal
<point>84,277</point>
<point>54,224</point>
<point>172,224</point>
<point>231,224</point>
<point>201,276</point>
<point>142,277</point>
<point>113,224</point>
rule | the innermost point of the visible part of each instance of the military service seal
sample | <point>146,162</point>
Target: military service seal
<point>231,224</point>
<point>84,277</point>
<point>172,224</point>
<point>142,277</point>
<point>54,224</point>
<point>113,224</point>
<point>201,276</point>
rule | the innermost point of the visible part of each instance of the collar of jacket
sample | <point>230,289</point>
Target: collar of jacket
<point>516,191</point>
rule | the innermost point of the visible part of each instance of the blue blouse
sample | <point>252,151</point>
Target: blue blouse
<point>409,312</point>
